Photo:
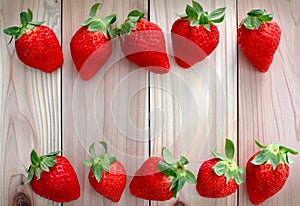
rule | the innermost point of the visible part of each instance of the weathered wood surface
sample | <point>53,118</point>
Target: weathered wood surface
<point>189,111</point>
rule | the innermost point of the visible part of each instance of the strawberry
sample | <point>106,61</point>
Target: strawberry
<point>53,177</point>
<point>143,43</point>
<point>220,176</point>
<point>267,172</point>
<point>107,175</point>
<point>91,46</point>
<point>194,35</point>
<point>161,178</point>
<point>36,46</point>
<point>258,37</point>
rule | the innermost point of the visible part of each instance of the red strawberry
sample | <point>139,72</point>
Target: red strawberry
<point>220,176</point>
<point>53,177</point>
<point>259,37</point>
<point>36,46</point>
<point>90,46</point>
<point>267,172</point>
<point>194,35</point>
<point>143,43</point>
<point>161,178</point>
<point>107,175</point>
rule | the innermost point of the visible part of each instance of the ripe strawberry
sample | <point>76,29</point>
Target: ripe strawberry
<point>161,178</point>
<point>220,176</point>
<point>36,46</point>
<point>90,46</point>
<point>267,172</point>
<point>143,43</point>
<point>194,35</point>
<point>259,37</point>
<point>107,175</point>
<point>53,177</point>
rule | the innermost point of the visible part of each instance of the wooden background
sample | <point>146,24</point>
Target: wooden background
<point>137,112</point>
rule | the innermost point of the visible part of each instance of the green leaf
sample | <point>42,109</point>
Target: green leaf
<point>135,15</point>
<point>285,149</point>
<point>24,18</point>
<point>217,13</point>
<point>44,167</point>
<point>110,19</point>
<point>104,146</point>
<point>166,169</point>
<point>112,159</point>
<point>238,177</point>
<point>30,27</point>
<point>183,161</point>
<point>191,12</point>
<point>260,145</point>
<point>97,172</point>
<point>53,154</point>
<point>194,22</point>
<point>197,6</point>
<point>248,23</point>
<point>204,19</point>
<point>220,168</point>
<point>167,156</point>
<point>94,9</point>
<point>49,161</point>
<point>88,21</point>
<point>219,20</point>
<point>255,22</point>
<point>38,173</point>
<point>256,12</point>
<point>126,28</point>
<point>29,15</point>
<point>92,151</point>
<point>30,175</point>
<point>12,31</point>
<point>266,17</point>
<point>219,156</point>
<point>229,149</point>
<point>181,182</point>
<point>275,159</point>
<point>105,164</point>
<point>87,163</point>
<point>261,157</point>
<point>35,159</point>
<point>96,26</point>
<point>229,174</point>
<point>190,177</point>
<point>37,23</point>
<point>174,183</point>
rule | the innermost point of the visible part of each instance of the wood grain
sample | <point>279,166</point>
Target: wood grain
<point>194,110</point>
<point>137,112</point>
<point>269,103</point>
<point>30,101</point>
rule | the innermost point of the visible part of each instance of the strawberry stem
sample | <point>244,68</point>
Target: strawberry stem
<point>95,24</point>
<point>255,18</point>
<point>197,16</point>
<point>227,166</point>
<point>274,153</point>
<point>39,164</point>
<point>100,162</point>
<point>26,24</point>
<point>175,169</point>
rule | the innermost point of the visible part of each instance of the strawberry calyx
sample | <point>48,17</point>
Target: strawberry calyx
<point>100,162</point>
<point>40,164</point>
<point>95,24</point>
<point>129,24</point>
<point>175,169</point>
<point>27,24</point>
<point>227,166</point>
<point>273,153</point>
<point>197,16</point>
<point>255,18</point>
